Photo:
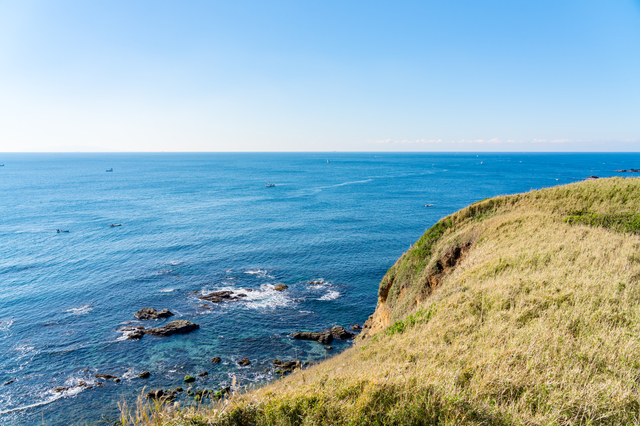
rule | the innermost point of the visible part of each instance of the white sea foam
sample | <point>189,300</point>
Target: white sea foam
<point>266,297</point>
<point>81,310</point>
<point>4,325</point>
<point>306,312</point>
<point>166,290</point>
<point>174,263</point>
<point>331,295</point>
<point>51,395</point>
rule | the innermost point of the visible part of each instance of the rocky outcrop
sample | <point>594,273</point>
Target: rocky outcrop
<point>286,366</point>
<point>144,375</point>
<point>174,327</point>
<point>244,362</point>
<point>134,335</point>
<point>105,376</point>
<point>280,287</point>
<point>216,360</point>
<point>151,313</point>
<point>341,333</point>
<point>324,338</point>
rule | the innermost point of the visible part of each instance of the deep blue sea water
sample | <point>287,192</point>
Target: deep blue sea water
<point>201,222</point>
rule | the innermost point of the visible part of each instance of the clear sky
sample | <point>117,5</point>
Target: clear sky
<point>311,75</point>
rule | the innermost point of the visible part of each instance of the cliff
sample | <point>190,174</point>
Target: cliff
<point>520,309</point>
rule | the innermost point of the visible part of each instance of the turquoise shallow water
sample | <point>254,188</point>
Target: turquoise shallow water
<point>200,222</point>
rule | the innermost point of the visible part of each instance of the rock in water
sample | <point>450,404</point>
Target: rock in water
<point>216,360</point>
<point>189,379</point>
<point>280,287</point>
<point>105,376</point>
<point>144,375</point>
<point>341,333</point>
<point>286,366</point>
<point>356,327</point>
<point>174,327</point>
<point>244,361</point>
<point>155,394</point>
<point>151,313</point>
<point>324,338</point>
<point>135,335</point>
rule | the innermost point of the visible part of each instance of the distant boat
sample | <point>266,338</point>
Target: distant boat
<point>113,225</point>
<point>110,170</point>
<point>270,185</point>
<point>328,161</point>
<point>428,205</point>
<point>61,230</point>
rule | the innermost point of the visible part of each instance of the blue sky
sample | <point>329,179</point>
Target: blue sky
<point>320,75</point>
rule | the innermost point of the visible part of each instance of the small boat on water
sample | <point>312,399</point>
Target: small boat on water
<point>270,185</point>
<point>113,225</point>
<point>328,161</point>
<point>428,205</point>
<point>110,170</point>
<point>61,230</point>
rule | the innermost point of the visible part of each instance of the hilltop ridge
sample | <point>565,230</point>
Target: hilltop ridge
<point>519,309</point>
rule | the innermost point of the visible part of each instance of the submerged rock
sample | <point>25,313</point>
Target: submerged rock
<point>105,376</point>
<point>203,374</point>
<point>9,382</point>
<point>324,338</point>
<point>174,327</point>
<point>144,375</point>
<point>244,362</point>
<point>280,287</point>
<point>341,333</point>
<point>151,313</point>
<point>216,360</point>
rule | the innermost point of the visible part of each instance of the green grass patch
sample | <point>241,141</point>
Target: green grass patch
<point>421,316</point>
<point>619,222</point>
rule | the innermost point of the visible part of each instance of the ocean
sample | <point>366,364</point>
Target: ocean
<point>194,223</point>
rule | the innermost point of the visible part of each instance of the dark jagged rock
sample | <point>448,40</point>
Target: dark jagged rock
<point>324,338</point>
<point>593,177</point>
<point>189,379</point>
<point>203,374</point>
<point>100,384</point>
<point>341,333</point>
<point>151,313</point>
<point>144,375</point>
<point>328,348</point>
<point>155,394</point>
<point>8,383</point>
<point>242,295</point>
<point>61,389</point>
<point>137,334</point>
<point>212,299</point>
<point>286,366</point>
<point>244,362</point>
<point>216,360</point>
<point>174,327</point>
<point>248,290</point>
<point>217,296</point>
<point>356,327</point>
<point>116,380</point>
<point>105,376</point>
<point>178,389</point>
<point>280,287</point>
<point>315,282</point>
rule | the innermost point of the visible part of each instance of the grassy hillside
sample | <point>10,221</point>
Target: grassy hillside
<point>522,309</point>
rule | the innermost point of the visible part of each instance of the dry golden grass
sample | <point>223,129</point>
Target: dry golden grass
<point>538,324</point>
